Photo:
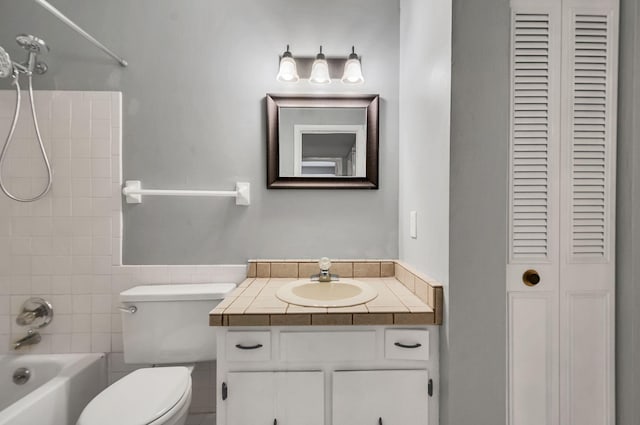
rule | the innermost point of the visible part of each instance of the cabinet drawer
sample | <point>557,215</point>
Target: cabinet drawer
<point>406,344</point>
<point>327,346</point>
<point>248,346</point>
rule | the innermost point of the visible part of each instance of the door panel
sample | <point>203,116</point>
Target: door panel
<point>300,398</point>
<point>390,397</point>
<point>251,398</point>
<point>289,398</point>
<point>533,353</point>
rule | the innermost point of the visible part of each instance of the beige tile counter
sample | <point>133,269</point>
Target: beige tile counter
<point>404,297</point>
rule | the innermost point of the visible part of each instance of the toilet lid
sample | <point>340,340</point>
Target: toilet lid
<point>139,398</point>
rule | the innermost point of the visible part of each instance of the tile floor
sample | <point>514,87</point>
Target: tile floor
<point>201,419</point>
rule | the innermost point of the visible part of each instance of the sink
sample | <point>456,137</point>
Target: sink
<point>341,293</point>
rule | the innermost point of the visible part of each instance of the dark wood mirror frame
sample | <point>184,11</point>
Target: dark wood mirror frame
<point>275,102</point>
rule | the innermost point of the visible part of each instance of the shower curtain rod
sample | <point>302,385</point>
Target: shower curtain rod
<point>55,12</point>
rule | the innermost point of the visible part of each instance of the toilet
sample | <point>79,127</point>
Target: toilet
<point>163,325</point>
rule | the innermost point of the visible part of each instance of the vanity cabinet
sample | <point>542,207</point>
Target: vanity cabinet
<point>327,375</point>
<point>380,397</point>
<point>281,398</point>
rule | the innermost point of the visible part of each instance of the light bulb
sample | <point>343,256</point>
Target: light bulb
<point>320,70</point>
<point>288,71</point>
<point>352,69</point>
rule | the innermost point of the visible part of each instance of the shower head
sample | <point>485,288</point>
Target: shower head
<point>6,67</point>
<point>32,43</point>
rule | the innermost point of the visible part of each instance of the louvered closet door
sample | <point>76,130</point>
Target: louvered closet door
<point>561,212</point>
<point>533,213</point>
<point>587,267</point>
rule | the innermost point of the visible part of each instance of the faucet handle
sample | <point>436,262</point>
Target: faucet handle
<point>324,264</point>
<point>36,312</point>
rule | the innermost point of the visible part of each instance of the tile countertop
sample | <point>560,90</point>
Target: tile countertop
<point>404,298</point>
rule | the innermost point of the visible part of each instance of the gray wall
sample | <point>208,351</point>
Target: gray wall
<point>475,366</point>
<point>628,220</point>
<point>424,139</point>
<point>194,117</point>
<point>425,113</point>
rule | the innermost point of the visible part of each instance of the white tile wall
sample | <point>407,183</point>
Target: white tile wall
<point>66,247</point>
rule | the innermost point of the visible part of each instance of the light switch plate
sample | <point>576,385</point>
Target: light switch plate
<point>413,224</point>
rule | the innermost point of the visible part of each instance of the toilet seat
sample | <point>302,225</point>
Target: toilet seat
<point>140,398</point>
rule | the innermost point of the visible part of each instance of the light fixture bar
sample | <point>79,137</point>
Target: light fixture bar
<point>347,69</point>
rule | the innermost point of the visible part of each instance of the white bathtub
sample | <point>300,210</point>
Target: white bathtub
<point>58,389</point>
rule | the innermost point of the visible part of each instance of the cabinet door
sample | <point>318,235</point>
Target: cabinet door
<point>282,398</point>
<point>251,398</point>
<point>387,397</point>
<point>299,398</point>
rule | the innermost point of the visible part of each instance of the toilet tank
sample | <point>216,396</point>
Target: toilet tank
<point>171,322</point>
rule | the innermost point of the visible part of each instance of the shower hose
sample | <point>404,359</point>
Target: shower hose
<point>7,143</point>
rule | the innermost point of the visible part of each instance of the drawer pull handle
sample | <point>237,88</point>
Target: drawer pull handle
<point>248,347</point>
<point>416,345</point>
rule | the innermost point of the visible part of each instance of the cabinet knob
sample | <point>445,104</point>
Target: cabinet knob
<point>531,277</point>
<point>379,421</point>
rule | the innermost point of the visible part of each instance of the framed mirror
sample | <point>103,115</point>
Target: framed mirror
<point>322,142</point>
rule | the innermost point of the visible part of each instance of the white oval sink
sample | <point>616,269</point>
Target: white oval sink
<point>342,293</point>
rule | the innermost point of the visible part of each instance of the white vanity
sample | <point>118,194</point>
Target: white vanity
<point>347,375</point>
<point>374,363</point>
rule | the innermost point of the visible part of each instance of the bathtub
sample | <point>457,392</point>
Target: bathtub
<point>59,387</point>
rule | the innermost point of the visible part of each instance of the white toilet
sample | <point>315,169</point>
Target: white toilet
<point>161,325</point>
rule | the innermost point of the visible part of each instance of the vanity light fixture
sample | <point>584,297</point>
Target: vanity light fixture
<point>287,72</point>
<point>352,69</point>
<point>320,70</point>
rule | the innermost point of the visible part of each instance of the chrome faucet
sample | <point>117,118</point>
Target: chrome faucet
<point>32,337</point>
<point>36,312</point>
<point>27,317</point>
<point>325,275</point>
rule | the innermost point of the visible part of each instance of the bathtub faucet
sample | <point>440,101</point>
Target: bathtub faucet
<point>32,338</point>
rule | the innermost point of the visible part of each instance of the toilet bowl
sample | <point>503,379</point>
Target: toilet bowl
<point>149,396</point>
<point>161,325</point>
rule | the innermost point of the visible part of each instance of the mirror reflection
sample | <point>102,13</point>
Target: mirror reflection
<point>327,153</point>
<point>322,142</point>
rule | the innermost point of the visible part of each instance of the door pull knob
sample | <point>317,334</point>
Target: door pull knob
<point>531,277</point>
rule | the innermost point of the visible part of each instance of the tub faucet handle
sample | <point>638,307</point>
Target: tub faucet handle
<point>35,309</point>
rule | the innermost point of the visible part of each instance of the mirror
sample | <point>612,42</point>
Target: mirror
<point>322,141</point>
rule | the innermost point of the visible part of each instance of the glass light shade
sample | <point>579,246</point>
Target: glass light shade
<point>320,72</point>
<point>352,72</point>
<point>288,71</point>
